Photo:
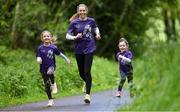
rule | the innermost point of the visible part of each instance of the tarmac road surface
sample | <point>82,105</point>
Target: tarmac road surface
<point>100,101</point>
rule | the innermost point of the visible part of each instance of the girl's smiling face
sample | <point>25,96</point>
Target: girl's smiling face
<point>122,46</point>
<point>46,37</point>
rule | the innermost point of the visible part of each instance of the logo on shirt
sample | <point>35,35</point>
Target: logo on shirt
<point>50,54</point>
<point>43,51</point>
<point>77,26</point>
<point>87,31</point>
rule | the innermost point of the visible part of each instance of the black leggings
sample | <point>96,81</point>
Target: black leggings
<point>130,81</point>
<point>84,62</point>
<point>48,80</point>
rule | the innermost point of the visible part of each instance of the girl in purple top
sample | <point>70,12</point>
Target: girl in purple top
<point>124,57</point>
<point>46,58</point>
<point>83,30</point>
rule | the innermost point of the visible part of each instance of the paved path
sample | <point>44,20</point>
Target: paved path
<point>101,101</point>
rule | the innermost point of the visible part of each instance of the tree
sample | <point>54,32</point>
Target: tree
<point>170,14</point>
<point>22,21</point>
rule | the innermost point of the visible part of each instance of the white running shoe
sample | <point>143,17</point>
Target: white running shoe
<point>50,103</point>
<point>87,98</point>
<point>54,88</point>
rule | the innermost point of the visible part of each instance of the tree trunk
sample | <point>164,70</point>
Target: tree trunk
<point>170,28</point>
<point>14,33</point>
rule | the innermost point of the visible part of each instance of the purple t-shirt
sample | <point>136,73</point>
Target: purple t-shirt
<point>86,44</point>
<point>124,66</point>
<point>47,53</point>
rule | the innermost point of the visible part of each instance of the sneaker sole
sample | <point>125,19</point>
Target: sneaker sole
<point>50,105</point>
<point>86,101</point>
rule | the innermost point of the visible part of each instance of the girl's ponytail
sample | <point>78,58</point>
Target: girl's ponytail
<point>54,40</point>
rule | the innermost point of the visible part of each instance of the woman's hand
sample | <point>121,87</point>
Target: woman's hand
<point>79,35</point>
<point>98,37</point>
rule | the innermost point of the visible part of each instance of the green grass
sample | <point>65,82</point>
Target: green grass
<point>21,82</point>
<point>157,79</point>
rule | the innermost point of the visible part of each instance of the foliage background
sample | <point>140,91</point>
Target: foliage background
<point>140,21</point>
<point>151,27</point>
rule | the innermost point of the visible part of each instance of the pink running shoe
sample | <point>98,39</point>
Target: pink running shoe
<point>118,94</point>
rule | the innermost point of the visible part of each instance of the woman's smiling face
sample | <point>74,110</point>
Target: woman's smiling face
<point>82,11</point>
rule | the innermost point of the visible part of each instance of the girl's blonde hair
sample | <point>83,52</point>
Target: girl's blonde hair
<point>53,38</point>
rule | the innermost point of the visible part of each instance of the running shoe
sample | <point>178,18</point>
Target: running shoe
<point>54,88</point>
<point>87,98</point>
<point>118,94</point>
<point>50,103</point>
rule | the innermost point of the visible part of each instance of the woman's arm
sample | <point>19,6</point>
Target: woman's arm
<point>97,32</point>
<point>70,37</point>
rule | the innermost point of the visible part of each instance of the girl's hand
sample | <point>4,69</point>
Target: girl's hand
<point>120,57</point>
<point>39,60</point>
<point>69,61</point>
<point>98,37</point>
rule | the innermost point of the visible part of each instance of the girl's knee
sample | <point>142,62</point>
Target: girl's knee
<point>50,71</point>
<point>123,80</point>
<point>130,78</point>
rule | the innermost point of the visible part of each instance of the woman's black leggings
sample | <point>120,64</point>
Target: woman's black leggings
<point>48,80</point>
<point>84,62</point>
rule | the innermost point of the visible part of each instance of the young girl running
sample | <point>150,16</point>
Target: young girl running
<point>124,57</point>
<point>46,58</point>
